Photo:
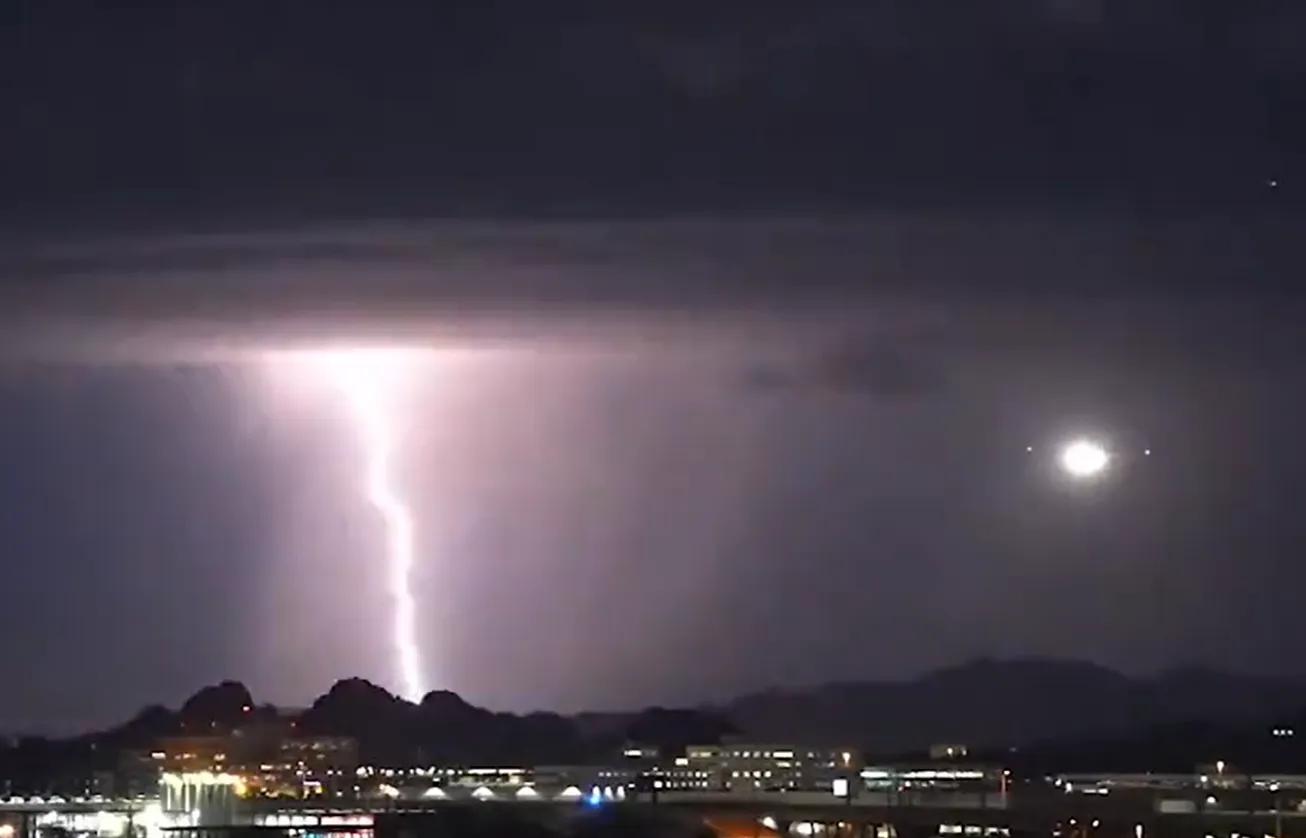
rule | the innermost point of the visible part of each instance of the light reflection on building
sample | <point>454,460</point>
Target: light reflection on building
<point>148,822</point>
<point>268,758</point>
<point>756,767</point>
<point>201,798</point>
<point>959,778</point>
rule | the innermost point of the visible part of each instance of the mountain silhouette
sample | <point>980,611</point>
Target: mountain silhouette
<point>990,703</point>
<point>1043,714</point>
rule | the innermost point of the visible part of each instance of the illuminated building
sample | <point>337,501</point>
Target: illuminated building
<point>488,777</point>
<point>680,776</point>
<point>752,767</point>
<point>379,781</point>
<point>268,759</point>
<point>192,754</point>
<point>640,755</point>
<point>199,799</point>
<point>633,766</point>
<point>304,768</point>
<point>959,778</point>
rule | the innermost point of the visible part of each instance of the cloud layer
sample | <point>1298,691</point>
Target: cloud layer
<point>893,102</point>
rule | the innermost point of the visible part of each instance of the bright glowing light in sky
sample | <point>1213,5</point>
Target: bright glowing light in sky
<point>1084,458</point>
<point>368,379</point>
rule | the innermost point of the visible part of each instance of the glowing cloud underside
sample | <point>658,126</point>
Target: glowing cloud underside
<point>368,380</point>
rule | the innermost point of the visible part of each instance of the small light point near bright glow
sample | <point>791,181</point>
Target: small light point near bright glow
<point>1083,458</point>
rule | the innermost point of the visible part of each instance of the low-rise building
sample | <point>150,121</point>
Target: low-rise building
<point>267,759</point>
<point>980,779</point>
<point>757,767</point>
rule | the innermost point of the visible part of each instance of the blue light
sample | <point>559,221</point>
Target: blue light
<point>595,798</point>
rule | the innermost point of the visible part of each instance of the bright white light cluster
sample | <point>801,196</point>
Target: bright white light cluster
<point>1084,458</point>
<point>203,779</point>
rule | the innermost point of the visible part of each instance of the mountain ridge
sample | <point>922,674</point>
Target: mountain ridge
<point>993,703</point>
<point>990,706</point>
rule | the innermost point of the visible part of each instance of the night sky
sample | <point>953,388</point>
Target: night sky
<point>745,324</point>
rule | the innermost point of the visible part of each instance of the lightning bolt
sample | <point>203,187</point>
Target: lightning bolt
<point>365,383</point>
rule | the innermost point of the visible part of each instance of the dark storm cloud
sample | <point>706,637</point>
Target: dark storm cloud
<point>399,108</point>
<point>718,45</point>
<point>875,367</point>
